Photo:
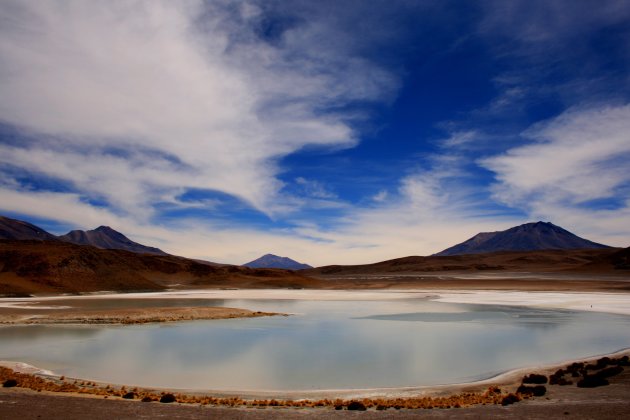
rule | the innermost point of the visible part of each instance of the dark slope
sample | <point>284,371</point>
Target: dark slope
<point>605,261</point>
<point>528,237</point>
<point>28,267</point>
<point>274,261</point>
<point>20,230</point>
<point>107,238</point>
<point>102,237</point>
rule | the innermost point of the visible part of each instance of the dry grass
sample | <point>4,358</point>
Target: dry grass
<point>493,395</point>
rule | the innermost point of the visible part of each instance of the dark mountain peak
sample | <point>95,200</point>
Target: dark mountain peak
<point>275,261</point>
<point>527,237</point>
<point>111,233</point>
<point>102,237</point>
<point>21,230</point>
<point>107,238</point>
<point>537,226</point>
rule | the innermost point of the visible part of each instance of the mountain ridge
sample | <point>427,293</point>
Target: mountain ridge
<point>535,236</point>
<point>32,267</point>
<point>21,230</point>
<point>103,237</point>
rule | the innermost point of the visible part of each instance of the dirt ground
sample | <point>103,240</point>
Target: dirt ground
<point>608,402</point>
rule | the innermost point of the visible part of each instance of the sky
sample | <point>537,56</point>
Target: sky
<point>329,132</point>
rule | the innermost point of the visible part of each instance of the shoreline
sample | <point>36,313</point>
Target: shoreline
<point>469,394</point>
<point>30,316</point>
<point>510,379</point>
<point>589,301</point>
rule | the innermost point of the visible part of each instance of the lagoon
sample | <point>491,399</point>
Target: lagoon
<point>379,340</point>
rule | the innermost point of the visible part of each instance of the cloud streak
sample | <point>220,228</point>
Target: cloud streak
<point>573,162</point>
<point>189,81</point>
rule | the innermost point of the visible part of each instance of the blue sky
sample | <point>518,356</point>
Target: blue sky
<point>329,132</point>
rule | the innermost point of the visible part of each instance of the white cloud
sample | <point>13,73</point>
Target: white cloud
<point>189,80</point>
<point>460,138</point>
<point>544,22</point>
<point>381,196</point>
<point>574,159</point>
<point>133,102</point>
<point>578,156</point>
<point>314,188</point>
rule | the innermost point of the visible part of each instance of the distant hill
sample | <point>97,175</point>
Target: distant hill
<point>102,237</point>
<point>107,238</point>
<point>528,237</point>
<point>20,230</point>
<point>274,261</point>
<point>586,261</point>
<point>28,267</point>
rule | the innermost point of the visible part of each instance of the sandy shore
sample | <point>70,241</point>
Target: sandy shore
<point>603,402</point>
<point>122,316</point>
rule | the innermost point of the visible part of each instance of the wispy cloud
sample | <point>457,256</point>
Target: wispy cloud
<point>579,156</point>
<point>574,165</point>
<point>314,188</point>
<point>193,82</point>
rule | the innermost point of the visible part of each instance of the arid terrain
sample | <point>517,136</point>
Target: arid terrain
<point>539,393</point>
<point>50,267</point>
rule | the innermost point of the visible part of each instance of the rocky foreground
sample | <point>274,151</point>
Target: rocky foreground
<point>589,389</point>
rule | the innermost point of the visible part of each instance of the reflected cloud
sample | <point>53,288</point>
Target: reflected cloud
<point>330,345</point>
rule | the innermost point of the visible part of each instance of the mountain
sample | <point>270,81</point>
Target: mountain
<point>602,263</point>
<point>20,230</point>
<point>274,261</point>
<point>107,238</point>
<point>31,267</point>
<point>528,237</point>
<point>101,237</point>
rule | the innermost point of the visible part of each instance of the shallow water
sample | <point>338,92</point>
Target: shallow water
<point>325,345</point>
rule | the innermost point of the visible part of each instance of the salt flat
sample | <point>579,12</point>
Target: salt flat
<point>617,303</point>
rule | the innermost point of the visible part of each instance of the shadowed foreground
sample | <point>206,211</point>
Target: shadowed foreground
<point>561,400</point>
<point>609,402</point>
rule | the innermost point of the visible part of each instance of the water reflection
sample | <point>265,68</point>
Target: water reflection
<point>328,344</point>
<point>534,318</point>
<point>31,333</point>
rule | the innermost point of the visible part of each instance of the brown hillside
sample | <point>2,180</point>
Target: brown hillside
<point>28,267</point>
<point>609,260</point>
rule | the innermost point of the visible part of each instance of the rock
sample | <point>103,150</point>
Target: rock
<point>535,378</point>
<point>357,405</point>
<point>592,381</point>
<point>536,391</point>
<point>168,398</point>
<point>129,395</point>
<point>510,399</point>
<point>608,372</point>
<point>9,383</point>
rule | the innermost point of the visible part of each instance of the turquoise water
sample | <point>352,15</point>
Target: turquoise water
<point>324,345</point>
